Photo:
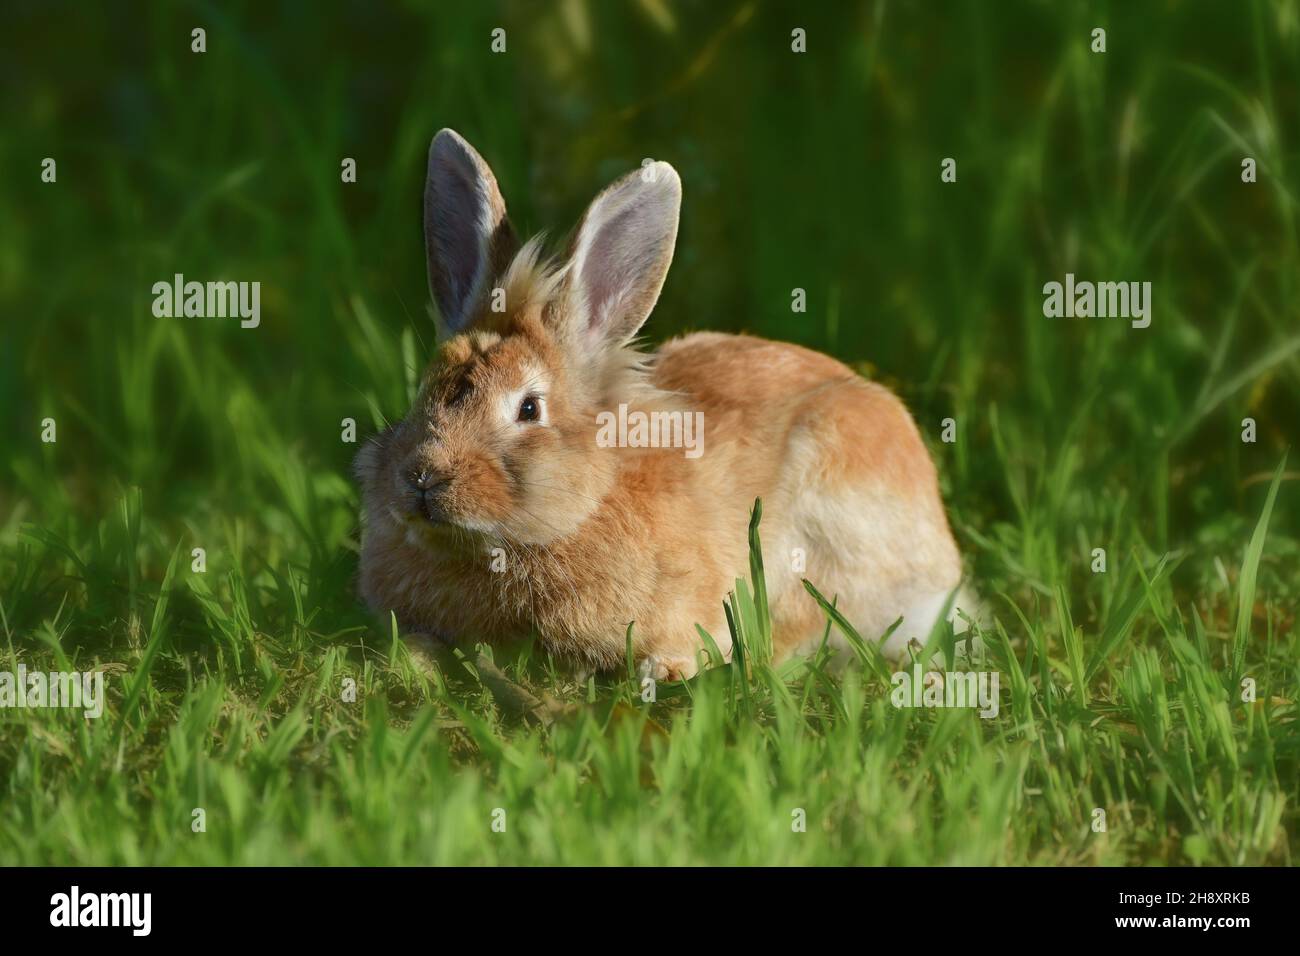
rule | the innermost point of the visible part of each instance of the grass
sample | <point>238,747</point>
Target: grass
<point>1121,691</point>
<point>258,730</point>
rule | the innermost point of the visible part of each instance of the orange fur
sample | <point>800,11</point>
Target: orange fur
<point>545,530</point>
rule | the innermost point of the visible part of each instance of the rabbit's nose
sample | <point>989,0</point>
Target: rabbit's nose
<point>427,485</point>
<point>426,482</point>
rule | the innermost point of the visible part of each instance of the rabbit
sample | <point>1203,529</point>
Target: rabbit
<point>493,509</point>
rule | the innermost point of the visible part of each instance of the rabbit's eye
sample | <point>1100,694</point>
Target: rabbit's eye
<point>530,409</point>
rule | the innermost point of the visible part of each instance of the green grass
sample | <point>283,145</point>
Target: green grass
<point>1121,691</point>
<point>262,737</point>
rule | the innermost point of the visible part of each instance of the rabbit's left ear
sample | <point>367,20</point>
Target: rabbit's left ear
<point>620,254</point>
<point>467,237</point>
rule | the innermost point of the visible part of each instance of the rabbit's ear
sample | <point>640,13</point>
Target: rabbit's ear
<point>467,237</point>
<point>620,255</point>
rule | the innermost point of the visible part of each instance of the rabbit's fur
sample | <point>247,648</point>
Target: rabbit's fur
<point>487,517</point>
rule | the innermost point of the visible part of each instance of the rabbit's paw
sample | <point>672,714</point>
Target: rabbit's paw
<point>669,667</point>
<point>425,648</point>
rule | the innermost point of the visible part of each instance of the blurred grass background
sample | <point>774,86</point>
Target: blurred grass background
<point>817,171</point>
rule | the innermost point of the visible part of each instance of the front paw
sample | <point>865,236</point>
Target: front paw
<point>426,648</point>
<point>668,667</point>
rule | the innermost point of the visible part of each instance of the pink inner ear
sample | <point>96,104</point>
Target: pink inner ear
<point>610,268</point>
<point>624,247</point>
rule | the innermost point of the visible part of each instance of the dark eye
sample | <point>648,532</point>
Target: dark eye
<point>530,409</point>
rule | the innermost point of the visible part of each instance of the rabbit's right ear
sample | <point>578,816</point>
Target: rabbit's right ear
<point>467,238</point>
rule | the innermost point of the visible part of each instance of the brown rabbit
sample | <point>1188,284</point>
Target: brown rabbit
<point>500,504</point>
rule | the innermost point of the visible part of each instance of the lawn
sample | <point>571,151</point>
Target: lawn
<point>256,713</point>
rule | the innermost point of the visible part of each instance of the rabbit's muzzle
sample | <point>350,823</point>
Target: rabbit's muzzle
<point>425,492</point>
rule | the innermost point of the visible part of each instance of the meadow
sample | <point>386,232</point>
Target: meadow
<point>1148,710</point>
